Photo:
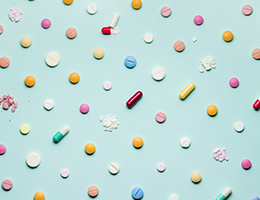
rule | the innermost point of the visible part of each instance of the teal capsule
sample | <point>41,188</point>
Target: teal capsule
<point>60,134</point>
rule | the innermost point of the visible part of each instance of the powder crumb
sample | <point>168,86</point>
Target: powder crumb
<point>110,122</point>
<point>15,14</point>
<point>201,69</point>
<point>101,118</point>
<point>194,39</point>
<point>115,31</point>
<point>8,102</point>
<point>208,63</point>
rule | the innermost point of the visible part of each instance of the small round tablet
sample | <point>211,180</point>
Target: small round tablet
<point>84,108</point>
<point>98,53</point>
<point>212,110</point>
<point>185,142</point>
<point>33,160</point>
<point>137,193</point>
<point>113,168</point>
<point>179,46</point>
<point>161,167</point>
<point>25,129</point>
<point>246,164</point>
<point>247,9</point>
<point>7,184</point>
<point>148,38</point>
<point>48,104</point>
<point>90,148</point>
<point>29,81</point>
<point>198,19</point>
<point>1,29</point>
<point>130,61</point>
<point>71,33</point>
<point>239,126</point>
<point>138,142</point>
<point>93,191</point>
<point>256,53</point>
<point>92,8</point>
<point>4,62</point>
<point>107,85</point>
<point>173,197</point>
<point>166,11</point>
<point>68,2</point>
<point>136,4</point>
<point>160,117</point>
<point>195,177</point>
<point>233,82</point>
<point>52,59</point>
<point>39,196</point>
<point>158,73</point>
<point>74,77</point>
<point>65,173</point>
<point>26,42</point>
<point>227,36</point>
<point>255,198</point>
<point>46,23</point>
<point>2,149</point>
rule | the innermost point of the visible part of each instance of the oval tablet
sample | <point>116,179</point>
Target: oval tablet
<point>52,59</point>
<point>113,168</point>
<point>33,160</point>
<point>158,73</point>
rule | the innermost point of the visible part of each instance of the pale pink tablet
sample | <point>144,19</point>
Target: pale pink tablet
<point>160,117</point>
<point>84,108</point>
<point>7,184</point>
<point>2,149</point>
<point>233,82</point>
<point>246,164</point>
<point>1,29</point>
<point>247,9</point>
<point>166,11</point>
<point>160,167</point>
<point>198,19</point>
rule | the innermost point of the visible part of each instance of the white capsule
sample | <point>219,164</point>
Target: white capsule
<point>114,20</point>
<point>64,130</point>
<point>227,191</point>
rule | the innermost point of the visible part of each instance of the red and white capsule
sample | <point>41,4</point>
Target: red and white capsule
<point>134,99</point>
<point>256,105</point>
<point>106,30</point>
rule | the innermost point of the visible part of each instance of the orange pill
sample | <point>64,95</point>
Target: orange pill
<point>212,110</point>
<point>90,148</point>
<point>4,62</point>
<point>256,54</point>
<point>68,2</point>
<point>179,46</point>
<point>136,4</point>
<point>29,81</point>
<point>71,33</point>
<point>74,77</point>
<point>138,142</point>
<point>227,36</point>
<point>39,196</point>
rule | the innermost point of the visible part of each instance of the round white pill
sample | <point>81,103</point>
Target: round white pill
<point>239,126</point>
<point>148,37</point>
<point>92,8</point>
<point>160,167</point>
<point>158,73</point>
<point>52,59</point>
<point>107,85</point>
<point>173,197</point>
<point>113,168</point>
<point>33,160</point>
<point>48,104</point>
<point>65,173</point>
<point>185,142</point>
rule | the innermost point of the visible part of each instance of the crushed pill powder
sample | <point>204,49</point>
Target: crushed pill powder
<point>110,122</point>
<point>208,63</point>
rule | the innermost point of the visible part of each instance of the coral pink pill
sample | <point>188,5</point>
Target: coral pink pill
<point>233,82</point>
<point>46,23</point>
<point>4,62</point>
<point>84,108</point>
<point>247,9</point>
<point>246,164</point>
<point>160,117</point>
<point>93,191</point>
<point>1,29</point>
<point>166,11</point>
<point>198,19</point>
<point>7,184</point>
<point>2,149</point>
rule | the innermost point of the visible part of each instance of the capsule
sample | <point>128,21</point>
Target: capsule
<point>114,20</point>
<point>187,90</point>
<point>60,134</point>
<point>256,105</point>
<point>223,195</point>
<point>133,100</point>
<point>106,30</point>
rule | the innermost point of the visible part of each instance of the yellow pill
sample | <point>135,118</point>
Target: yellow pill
<point>26,42</point>
<point>39,196</point>
<point>186,91</point>
<point>29,81</point>
<point>68,2</point>
<point>90,148</point>
<point>195,177</point>
<point>138,142</point>
<point>98,53</point>
<point>136,4</point>
<point>227,36</point>
<point>74,77</point>
<point>25,129</point>
<point>212,110</point>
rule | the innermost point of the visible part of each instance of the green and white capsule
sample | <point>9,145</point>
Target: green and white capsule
<point>60,134</point>
<point>223,195</point>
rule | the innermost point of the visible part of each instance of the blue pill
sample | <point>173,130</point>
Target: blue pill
<point>137,193</point>
<point>130,61</point>
<point>255,198</point>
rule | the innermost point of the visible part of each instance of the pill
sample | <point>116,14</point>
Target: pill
<point>158,73</point>
<point>185,142</point>
<point>148,38</point>
<point>1,29</point>
<point>68,2</point>
<point>195,177</point>
<point>114,20</point>
<point>2,149</point>
<point>26,42</point>
<point>130,61</point>
<point>52,59</point>
<point>106,30</point>
<point>107,85</point>
<point>187,90</point>
<point>138,142</point>
<point>33,160</point>
<point>136,4</point>
<point>160,117</point>
<point>98,53</point>
<point>113,168</point>
<point>247,9</point>
<point>137,193</point>
<point>7,184</point>
<point>61,133</point>
<point>233,82</point>
<point>90,148</point>
<point>256,53</point>
<point>29,81</point>
<point>246,163</point>
<point>166,11</point>
<point>4,62</point>
<point>64,173</point>
<point>239,126</point>
<point>92,8</point>
<point>48,104</point>
<point>84,108</point>
<point>46,23</point>
<point>173,197</point>
<point>198,19</point>
<point>255,198</point>
<point>212,110</point>
<point>71,33</point>
<point>74,77</point>
<point>25,129</point>
<point>93,191</point>
<point>39,196</point>
<point>256,105</point>
<point>227,36</point>
<point>179,46</point>
<point>161,167</point>
<point>134,99</point>
<point>224,194</point>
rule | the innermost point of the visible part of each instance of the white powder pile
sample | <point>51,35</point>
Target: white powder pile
<point>115,31</point>
<point>208,63</point>
<point>15,14</point>
<point>110,122</point>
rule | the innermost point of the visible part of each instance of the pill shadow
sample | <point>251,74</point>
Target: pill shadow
<point>93,197</point>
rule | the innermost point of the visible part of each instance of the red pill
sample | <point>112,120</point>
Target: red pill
<point>256,105</point>
<point>106,30</point>
<point>133,100</point>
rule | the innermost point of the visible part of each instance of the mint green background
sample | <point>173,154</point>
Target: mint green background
<point>186,118</point>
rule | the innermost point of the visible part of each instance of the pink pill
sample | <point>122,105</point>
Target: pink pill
<point>198,19</point>
<point>2,149</point>
<point>65,173</point>
<point>46,23</point>
<point>247,9</point>
<point>160,117</point>
<point>7,184</point>
<point>1,29</point>
<point>160,167</point>
<point>166,11</point>
<point>107,85</point>
<point>233,82</point>
<point>84,108</point>
<point>246,164</point>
